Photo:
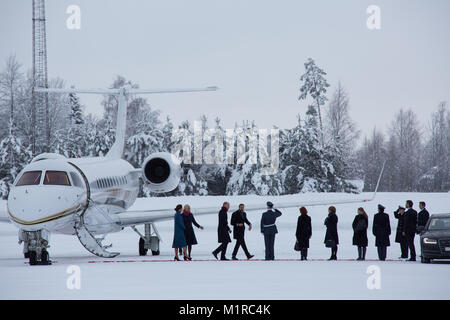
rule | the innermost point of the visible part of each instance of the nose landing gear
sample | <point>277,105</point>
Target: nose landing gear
<point>35,244</point>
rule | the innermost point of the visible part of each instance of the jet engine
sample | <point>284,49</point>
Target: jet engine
<point>162,172</point>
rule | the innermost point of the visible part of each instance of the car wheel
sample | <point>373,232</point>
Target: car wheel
<point>425,260</point>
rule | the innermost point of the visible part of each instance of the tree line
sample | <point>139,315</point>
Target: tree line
<point>319,154</point>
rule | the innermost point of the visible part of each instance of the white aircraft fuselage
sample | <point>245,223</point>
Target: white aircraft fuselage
<point>109,185</point>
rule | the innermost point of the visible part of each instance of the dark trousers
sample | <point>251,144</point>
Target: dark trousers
<point>382,252</point>
<point>222,248</point>
<point>404,247</point>
<point>240,242</point>
<point>269,241</point>
<point>410,244</point>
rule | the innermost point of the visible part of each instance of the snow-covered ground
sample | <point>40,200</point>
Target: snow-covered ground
<point>134,277</point>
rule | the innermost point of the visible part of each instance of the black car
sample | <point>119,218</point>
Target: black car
<point>435,238</point>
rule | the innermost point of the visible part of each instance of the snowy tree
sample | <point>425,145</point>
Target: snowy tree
<point>371,158</point>
<point>10,80</point>
<point>437,153</point>
<point>76,110</point>
<point>315,85</point>
<point>341,133</point>
<point>408,137</point>
<point>11,147</point>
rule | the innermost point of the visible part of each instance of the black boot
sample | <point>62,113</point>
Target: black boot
<point>359,253</point>
<point>364,249</point>
<point>304,254</point>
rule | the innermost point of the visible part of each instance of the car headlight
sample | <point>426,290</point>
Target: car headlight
<point>429,241</point>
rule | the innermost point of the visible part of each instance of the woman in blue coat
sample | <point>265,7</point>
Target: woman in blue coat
<point>179,240</point>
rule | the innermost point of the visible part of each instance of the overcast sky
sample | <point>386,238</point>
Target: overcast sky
<point>253,50</point>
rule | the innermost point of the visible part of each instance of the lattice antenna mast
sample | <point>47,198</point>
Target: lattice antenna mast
<point>40,113</point>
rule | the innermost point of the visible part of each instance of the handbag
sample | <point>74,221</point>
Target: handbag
<point>330,243</point>
<point>297,246</point>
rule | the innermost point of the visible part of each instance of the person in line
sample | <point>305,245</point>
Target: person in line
<point>399,214</point>
<point>410,228</point>
<point>269,229</point>
<point>381,229</point>
<point>179,240</point>
<point>422,217</point>
<point>331,235</point>
<point>189,220</point>
<point>223,231</point>
<point>360,225</point>
<point>238,221</point>
<point>303,233</point>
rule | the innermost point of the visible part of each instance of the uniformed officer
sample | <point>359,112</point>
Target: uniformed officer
<point>269,229</point>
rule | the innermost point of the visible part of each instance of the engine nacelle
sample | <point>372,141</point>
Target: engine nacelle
<point>162,172</point>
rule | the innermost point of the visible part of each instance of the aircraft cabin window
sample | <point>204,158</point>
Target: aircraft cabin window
<point>30,178</point>
<point>76,180</point>
<point>56,178</point>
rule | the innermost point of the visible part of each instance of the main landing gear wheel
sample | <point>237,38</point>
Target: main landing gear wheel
<point>33,258</point>
<point>45,257</point>
<point>142,250</point>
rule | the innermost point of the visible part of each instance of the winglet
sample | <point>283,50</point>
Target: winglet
<point>378,183</point>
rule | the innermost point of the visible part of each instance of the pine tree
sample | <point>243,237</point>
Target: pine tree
<point>76,111</point>
<point>314,85</point>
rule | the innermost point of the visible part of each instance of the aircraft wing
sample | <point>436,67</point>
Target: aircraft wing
<point>136,217</point>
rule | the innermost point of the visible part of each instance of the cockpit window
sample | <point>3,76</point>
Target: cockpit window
<point>56,178</point>
<point>76,180</point>
<point>30,178</point>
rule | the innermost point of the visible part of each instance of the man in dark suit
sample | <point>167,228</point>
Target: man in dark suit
<point>410,228</point>
<point>422,217</point>
<point>269,229</point>
<point>223,231</point>
<point>238,221</point>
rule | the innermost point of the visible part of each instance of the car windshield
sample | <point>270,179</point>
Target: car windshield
<point>439,224</point>
<point>56,178</point>
<point>29,178</point>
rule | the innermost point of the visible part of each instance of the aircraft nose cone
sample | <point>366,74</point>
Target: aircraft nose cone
<point>36,203</point>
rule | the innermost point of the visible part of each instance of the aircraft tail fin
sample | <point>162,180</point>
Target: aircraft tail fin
<point>118,147</point>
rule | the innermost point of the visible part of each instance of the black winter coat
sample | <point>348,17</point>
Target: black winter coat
<point>189,233</point>
<point>304,230</point>
<point>410,221</point>
<point>223,228</point>
<point>422,218</point>
<point>381,229</point>
<point>331,223</point>
<point>399,238</point>
<point>239,217</point>
<point>360,236</point>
